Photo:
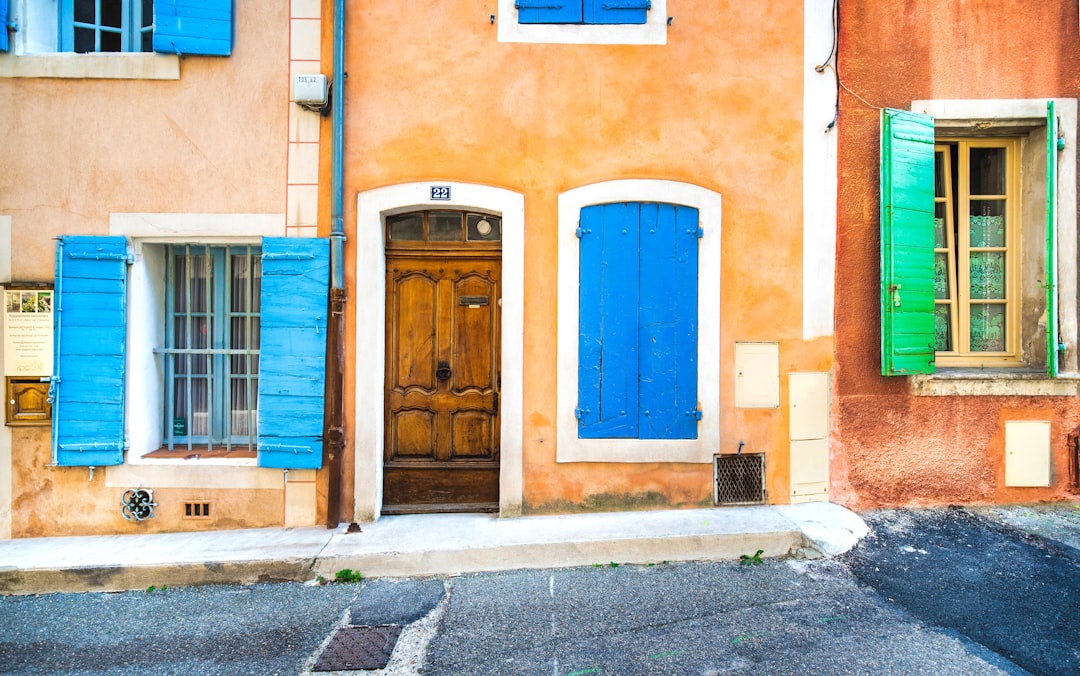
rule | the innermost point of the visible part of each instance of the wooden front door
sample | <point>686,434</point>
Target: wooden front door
<point>442,381</point>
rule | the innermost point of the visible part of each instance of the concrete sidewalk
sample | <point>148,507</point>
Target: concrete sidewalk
<point>422,545</point>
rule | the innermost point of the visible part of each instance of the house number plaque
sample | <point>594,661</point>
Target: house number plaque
<point>440,192</point>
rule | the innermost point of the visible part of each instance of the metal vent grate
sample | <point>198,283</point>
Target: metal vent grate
<point>740,479</point>
<point>196,510</point>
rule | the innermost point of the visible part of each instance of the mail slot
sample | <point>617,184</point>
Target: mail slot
<point>473,300</point>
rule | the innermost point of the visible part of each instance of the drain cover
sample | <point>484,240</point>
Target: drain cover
<point>358,648</point>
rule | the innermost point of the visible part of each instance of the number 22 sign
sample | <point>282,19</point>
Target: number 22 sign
<point>440,192</point>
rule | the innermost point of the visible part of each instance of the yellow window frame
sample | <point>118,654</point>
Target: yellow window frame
<point>959,249</point>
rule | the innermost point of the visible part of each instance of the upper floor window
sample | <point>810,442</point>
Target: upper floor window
<point>583,11</point>
<point>106,26</point>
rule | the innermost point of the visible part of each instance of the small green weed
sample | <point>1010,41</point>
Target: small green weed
<point>754,560</point>
<point>348,575</point>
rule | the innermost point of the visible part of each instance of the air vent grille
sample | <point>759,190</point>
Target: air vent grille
<point>740,479</point>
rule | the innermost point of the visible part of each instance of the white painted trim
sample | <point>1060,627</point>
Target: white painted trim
<point>110,66</point>
<point>652,32</point>
<point>819,172</point>
<point>372,207</point>
<point>570,447</point>
<point>1034,112</point>
<point>144,393</point>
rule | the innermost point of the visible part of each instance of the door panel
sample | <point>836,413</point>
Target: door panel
<point>442,354</point>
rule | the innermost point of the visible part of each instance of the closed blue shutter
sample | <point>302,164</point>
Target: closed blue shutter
<point>616,11</point>
<point>3,25</point>
<point>668,322</point>
<point>548,11</point>
<point>193,27</point>
<point>292,361</point>
<point>90,336</point>
<point>608,322</point>
<point>907,243</point>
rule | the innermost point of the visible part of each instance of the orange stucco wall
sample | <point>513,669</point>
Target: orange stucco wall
<point>890,447</point>
<point>435,95</point>
<point>76,151</point>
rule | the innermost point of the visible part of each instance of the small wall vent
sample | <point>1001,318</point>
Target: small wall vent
<point>196,510</point>
<point>740,479</point>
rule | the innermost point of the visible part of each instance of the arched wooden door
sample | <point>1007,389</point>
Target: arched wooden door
<point>441,448</point>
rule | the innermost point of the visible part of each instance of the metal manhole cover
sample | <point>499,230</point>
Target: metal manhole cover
<point>358,648</point>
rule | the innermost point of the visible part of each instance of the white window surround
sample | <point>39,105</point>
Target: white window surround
<point>372,208</point>
<point>572,449</point>
<point>144,396</point>
<point>962,113</point>
<point>33,52</point>
<point>652,32</point>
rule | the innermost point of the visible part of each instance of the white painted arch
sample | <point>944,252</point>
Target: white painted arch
<point>372,208</point>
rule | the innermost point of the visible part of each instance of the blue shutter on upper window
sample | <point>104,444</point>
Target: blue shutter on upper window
<point>4,13</point>
<point>202,27</point>
<point>616,11</point>
<point>549,11</point>
<point>608,322</point>
<point>667,322</point>
<point>292,351</point>
<point>90,334</point>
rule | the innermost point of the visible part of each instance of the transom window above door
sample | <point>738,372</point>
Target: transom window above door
<point>442,228</point>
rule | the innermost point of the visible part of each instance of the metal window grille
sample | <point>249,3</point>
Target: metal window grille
<point>212,351</point>
<point>740,479</point>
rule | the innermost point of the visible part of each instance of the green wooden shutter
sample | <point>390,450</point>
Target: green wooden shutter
<point>1051,241</point>
<point>292,351</point>
<point>90,335</point>
<point>907,243</point>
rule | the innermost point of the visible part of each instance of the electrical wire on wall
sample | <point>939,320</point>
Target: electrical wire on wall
<point>831,62</point>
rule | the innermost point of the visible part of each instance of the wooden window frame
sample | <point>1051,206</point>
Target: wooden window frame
<point>959,250</point>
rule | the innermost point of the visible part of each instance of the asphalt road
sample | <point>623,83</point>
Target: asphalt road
<point>935,591</point>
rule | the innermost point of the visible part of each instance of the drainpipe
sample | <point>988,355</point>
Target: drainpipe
<point>334,433</point>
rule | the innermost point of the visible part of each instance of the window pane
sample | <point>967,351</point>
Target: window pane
<point>987,227</point>
<point>940,239</point>
<point>987,328</point>
<point>942,333</point>
<point>147,41</point>
<point>408,227</point>
<point>112,13</point>
<point>988,275</point>
<point>110,42</point>
<point>939,174</point>
<point>987,169</point>
<point>85,11</point>
<point>147,13</point>
<point>85,40</point>
<point>941,275</point>
<point>482,228</point>
<point>444,226</point>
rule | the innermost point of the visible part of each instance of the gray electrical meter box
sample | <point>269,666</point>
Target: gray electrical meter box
<point>309,89</point>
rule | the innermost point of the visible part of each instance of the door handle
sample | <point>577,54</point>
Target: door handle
<point>443,372</point>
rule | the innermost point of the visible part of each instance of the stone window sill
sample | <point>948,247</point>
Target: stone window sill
<point>993,383</point>
<point>119,66</point>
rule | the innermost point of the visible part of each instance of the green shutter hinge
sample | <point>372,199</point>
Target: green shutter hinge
<point>581,232</point>
<point>696,413</point>
<point>580,413</point>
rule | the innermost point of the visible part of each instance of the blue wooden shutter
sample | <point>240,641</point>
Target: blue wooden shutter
<point>4,25</point>
<point>616,11</point>
<point>667,323</point>
<point>608,322</point>
<point>907,243</point>
<point>292,351</point>
<point>90,336</point>
<point>193,27</point>
<point>1051,241</point>
<point>548,11</point>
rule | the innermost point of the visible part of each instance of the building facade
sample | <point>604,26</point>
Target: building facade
<point>956,324</point>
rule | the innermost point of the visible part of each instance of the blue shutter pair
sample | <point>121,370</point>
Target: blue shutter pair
<point>637,349</point>
<point>583,11</point>
<point>91,336</point>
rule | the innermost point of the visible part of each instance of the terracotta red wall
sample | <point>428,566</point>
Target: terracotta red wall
<point>890,447</point>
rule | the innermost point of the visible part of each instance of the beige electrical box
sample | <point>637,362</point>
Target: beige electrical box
<point>808,396</point>
<point>809,470</point>
<point>757,375</point>
<point>1027,453</point>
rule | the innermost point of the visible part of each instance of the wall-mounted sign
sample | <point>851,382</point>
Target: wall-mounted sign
<point>440,192</point>
<point>28,332</point>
